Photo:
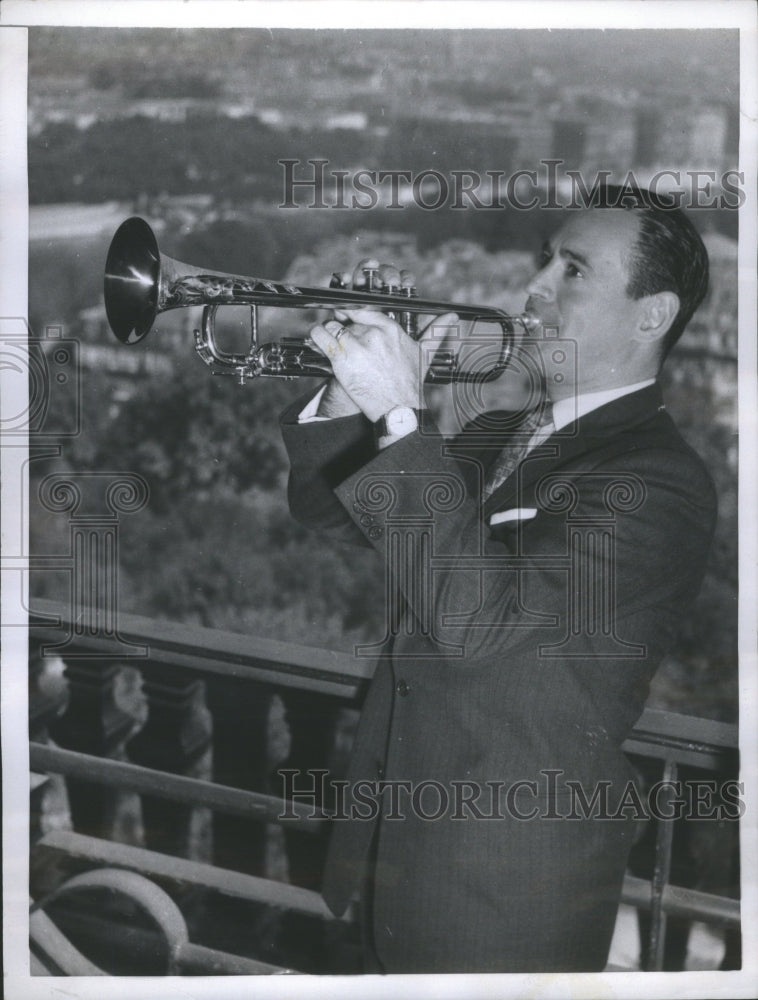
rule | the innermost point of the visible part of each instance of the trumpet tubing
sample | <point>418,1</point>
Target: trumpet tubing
<point>141,283</point>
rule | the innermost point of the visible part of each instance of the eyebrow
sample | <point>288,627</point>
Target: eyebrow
<point>566,254</point>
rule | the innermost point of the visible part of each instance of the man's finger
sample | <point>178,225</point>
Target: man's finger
<point>343,314</point>
<point>369,317</point>
<point>323,340</point>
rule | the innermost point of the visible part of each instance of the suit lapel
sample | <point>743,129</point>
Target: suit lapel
<point>565,446</point>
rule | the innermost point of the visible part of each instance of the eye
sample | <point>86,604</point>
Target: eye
<point>572,271</point>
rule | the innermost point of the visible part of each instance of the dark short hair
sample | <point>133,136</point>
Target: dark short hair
<point>669,254</point>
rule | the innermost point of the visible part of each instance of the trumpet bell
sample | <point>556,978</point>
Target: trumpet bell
<point>132,281</point>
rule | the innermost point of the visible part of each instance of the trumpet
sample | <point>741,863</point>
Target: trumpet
<point>141,283</point>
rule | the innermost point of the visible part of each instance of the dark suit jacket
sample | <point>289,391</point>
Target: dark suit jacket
<point>517,661</point>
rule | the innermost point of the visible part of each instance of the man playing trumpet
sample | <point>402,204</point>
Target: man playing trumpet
<point>542,569</point>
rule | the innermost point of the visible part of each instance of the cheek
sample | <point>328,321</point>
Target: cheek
<point>576,294</point>
<point>589,320</point>
<point>599,307</point>
<point>624,311</point>
<point>576,309</point>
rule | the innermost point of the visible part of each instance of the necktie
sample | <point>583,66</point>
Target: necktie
<point>537,426</point>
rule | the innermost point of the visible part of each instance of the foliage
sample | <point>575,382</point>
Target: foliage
<point>216,544</point>
<point>190,437</point>
<point>239,562</point>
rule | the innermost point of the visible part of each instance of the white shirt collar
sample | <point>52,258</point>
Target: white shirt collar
<point>565,411</point>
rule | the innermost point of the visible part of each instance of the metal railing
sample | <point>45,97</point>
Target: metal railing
<point>188,671</point>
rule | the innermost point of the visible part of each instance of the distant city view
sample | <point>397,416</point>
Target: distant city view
<point>611,100</point>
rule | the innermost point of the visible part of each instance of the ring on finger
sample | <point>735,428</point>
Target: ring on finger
<point>343,330</point>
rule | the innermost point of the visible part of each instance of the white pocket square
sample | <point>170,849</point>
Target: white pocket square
<point>514,514</point>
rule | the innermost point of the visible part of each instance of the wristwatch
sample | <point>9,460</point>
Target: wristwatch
<point>398,422</point>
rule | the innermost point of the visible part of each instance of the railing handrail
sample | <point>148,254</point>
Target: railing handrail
<point>214,651</point>
<point>688,739</point>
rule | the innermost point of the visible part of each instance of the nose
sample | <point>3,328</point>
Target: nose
<point>541,285</point>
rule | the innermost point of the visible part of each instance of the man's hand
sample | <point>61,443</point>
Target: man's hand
<point>335,402</point>
<point>375,361</point>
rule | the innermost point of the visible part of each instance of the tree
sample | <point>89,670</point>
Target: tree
<point>194,434</point>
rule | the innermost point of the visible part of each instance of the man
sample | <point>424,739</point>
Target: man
<point>540,590</point>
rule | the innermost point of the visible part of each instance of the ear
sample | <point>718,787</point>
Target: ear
<point>657,313</point>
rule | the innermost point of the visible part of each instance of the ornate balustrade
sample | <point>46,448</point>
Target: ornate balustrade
<point>163,733</point>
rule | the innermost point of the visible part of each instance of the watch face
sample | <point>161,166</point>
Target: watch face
<point>401,420</point>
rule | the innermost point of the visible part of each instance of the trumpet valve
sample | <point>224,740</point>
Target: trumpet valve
<point>389,277</point>
<point>408,284</point>
<point>369,267</point>
<point>408,319</point>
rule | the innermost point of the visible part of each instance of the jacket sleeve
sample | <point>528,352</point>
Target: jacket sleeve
<point>322,454</point>
<point>624,541</point>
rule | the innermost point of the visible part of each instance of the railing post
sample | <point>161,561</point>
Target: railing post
<point>176,738</point>
<point>240,718</point>
<point>93,723</point>
<point>43,709</point>
<point>733,936</point>
<point>43,705</point>
<point>661,874</point>
<point>311,722</point>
